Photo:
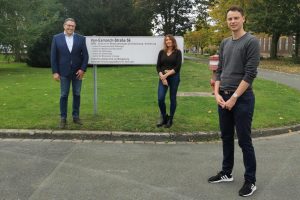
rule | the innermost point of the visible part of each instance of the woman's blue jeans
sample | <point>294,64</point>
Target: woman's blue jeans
<point>173,83</point>
<point>239,119</point>
<point>65,82</point>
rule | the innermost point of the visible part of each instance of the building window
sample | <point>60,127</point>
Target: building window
<point>280,40</point>
<point>287,43</point>
<point>269,46</point>
<point>259,41</point>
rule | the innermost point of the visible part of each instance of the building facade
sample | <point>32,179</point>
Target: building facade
<point>285,48</point>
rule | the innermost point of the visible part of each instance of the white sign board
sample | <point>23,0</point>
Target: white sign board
<point>126,50</point>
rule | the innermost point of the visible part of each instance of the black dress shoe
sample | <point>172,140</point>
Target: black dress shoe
<point>62,124</point>
<point>162,121</point>
<point>169,122</point>
<point>77,121</point>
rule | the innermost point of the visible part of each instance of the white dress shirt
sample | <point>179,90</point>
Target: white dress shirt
<point>69,40</point>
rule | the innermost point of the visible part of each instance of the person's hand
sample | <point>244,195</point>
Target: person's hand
<point>56,76</point>
<point>230,103</point>
<point>164,82</point>
<point>79,74</point>
<point>166,72</point>
<point>220,101</point>
<point>162,76</point>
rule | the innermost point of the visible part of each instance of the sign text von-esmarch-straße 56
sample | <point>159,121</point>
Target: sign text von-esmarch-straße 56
<point>125,50</point>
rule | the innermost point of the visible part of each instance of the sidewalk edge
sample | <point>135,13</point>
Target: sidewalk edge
<point>132,136</point>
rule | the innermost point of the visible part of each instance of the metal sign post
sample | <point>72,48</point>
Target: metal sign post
<point>95,90</point>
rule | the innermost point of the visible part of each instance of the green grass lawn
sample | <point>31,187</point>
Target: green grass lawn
<point>127,100</point>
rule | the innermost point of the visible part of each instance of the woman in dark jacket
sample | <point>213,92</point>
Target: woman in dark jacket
<point>168,68</point>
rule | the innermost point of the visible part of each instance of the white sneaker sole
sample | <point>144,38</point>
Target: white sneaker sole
<point>222,180</point>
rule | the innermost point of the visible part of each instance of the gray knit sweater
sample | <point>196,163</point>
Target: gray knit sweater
<point>239,60</point>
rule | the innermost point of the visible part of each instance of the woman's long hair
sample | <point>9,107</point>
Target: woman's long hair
<point>172,38</point>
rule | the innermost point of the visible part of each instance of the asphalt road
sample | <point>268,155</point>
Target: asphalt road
<point>292,80</point>
<point>55,169</point>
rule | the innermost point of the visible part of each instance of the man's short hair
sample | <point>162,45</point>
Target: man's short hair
<point>69,19</point>
<point>235,8</point>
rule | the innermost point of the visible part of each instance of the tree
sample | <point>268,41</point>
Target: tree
<point>218,14</point>
<point>38,53</point>
<point>93,17</point>
<point>22,22</point>
<point>203,18</point>
<point>12,24</point>
<point>172,16</point>
<point>109,17</point>
<point>198,39</point>
<point>295,28</point>
<point>273,17</point>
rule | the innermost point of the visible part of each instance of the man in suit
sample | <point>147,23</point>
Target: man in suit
<point>69,59</point>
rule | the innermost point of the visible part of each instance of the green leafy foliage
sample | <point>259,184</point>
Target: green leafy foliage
<point>173,16</point>
<point>22,23</point>
<point>108,17</point>
<point>274,17</point>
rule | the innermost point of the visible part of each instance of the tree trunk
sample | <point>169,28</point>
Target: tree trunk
<point>17,52</point>
<point>202,50</point>
<point>197,48</point>
<point>175,21</point>
<point>274,45</point>
<point>169,21</point>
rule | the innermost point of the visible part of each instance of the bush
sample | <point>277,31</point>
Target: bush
<point>38,54</point>
<point>212,50</point>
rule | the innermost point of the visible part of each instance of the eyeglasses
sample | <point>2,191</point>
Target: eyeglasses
<point>70,25</point>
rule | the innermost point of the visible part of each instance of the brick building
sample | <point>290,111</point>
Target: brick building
<point>285,47</point>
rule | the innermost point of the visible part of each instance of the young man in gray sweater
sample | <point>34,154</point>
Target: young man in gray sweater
<point>239,58</point>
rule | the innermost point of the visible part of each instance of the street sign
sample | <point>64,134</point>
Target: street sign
<point>126,50</point>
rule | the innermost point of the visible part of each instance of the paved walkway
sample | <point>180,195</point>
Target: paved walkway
<point>202,60</point>
<point>195,94</point>
<point>95,170</point>
<point>292,80</point>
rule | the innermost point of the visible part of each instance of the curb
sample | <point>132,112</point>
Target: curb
<point>132,136</point>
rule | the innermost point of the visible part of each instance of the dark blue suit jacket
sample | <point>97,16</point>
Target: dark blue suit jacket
<point>65,62</point>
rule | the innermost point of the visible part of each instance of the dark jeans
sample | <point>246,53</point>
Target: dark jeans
<point>240,119</point>
<point>65,82</point>
<point>173,82</point>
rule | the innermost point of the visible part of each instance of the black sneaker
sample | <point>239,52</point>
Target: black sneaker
<point>247,189</point>
<point>221,177</point>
